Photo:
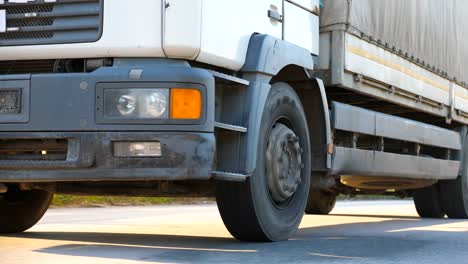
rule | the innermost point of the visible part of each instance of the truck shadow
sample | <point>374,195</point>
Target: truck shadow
<point>352,242</point>
<point>380,216</point>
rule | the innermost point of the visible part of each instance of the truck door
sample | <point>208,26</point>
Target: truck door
<point>301,23</point>
<point>228,25</point>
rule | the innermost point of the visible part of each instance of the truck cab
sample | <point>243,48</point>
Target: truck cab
<point>243,100</point>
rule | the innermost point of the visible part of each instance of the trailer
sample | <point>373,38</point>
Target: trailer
<point>274,107</point>
<point>398,93</point>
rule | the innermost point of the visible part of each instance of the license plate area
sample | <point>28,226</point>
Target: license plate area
<point>14,101</point>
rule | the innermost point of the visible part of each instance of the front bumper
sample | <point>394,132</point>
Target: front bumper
<point>64,107</point>
<point>185,155</point>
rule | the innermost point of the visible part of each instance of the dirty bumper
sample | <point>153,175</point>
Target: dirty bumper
<point>81,156</point>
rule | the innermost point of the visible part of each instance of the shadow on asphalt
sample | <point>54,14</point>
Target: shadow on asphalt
<point>362,242</point>
<point>378,216</point>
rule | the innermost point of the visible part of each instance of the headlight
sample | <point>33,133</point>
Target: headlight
<point>136,103</point>
<point>126,104</point>
<point>156,104</point>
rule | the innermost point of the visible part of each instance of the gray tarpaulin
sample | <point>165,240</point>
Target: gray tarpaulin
<point>434,31</point>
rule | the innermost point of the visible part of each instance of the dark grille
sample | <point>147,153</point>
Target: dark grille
<point>65,21</point>
<point>23,67</point>
<point>30,9</point>
<point>26,36</point>
<point>33,149</point>
<point>30,23</point>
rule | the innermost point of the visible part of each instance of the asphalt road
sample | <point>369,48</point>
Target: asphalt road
<point>357,232</point>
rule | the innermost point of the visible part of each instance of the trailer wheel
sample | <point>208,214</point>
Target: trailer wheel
<point>320,202</point>
<point>427,202</point>
<point>455,198</point>
<point>454,193</point>
<point>20,210</point>
<point>269,206</point>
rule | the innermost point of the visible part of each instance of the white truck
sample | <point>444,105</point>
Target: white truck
<point>274,107</point>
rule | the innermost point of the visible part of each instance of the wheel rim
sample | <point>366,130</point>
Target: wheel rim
<point>283,164</point>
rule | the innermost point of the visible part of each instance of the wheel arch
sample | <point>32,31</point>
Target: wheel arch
<point>268,55</point>
<point>311,92</point>
<point>271,60</point>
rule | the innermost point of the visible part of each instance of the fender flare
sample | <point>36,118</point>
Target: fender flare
<point>266,57</point>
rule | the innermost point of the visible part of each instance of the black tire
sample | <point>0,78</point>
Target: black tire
<point>427,202</point>
<point>454,193</point>
<point>21,210</point>
<point>248,209</point>
<point>454,198</point>
<point>320,202</point>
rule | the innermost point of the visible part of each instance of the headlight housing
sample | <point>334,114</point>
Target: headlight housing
<point>147,103</point>
<point>141,103</point>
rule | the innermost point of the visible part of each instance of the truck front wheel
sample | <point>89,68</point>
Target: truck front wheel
<point>269,206</point>
<point>20,210</point>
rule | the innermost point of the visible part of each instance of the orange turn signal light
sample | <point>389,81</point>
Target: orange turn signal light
<point>186,103</point>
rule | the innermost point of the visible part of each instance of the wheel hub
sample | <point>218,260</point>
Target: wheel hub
<point>284,163</point>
